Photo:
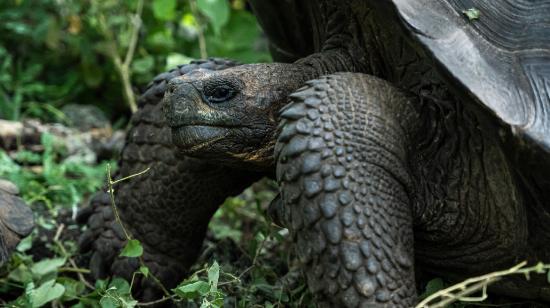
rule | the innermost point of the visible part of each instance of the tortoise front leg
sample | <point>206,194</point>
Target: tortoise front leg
<point>342,169</point>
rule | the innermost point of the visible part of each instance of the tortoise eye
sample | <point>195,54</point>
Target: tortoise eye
<point>220,94</point>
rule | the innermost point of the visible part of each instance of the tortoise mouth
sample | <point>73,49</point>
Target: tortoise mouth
<point>194,137</point>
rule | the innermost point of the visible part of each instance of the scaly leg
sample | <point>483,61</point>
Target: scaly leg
<point>342,167</point>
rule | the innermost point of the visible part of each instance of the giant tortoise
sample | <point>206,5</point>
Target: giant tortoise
<point>405,136</point>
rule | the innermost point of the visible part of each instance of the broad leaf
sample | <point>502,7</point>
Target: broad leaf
<point>47,266</point>
<point>46,293</point>
<point>144,270</point>
<point>213,276</point>
<point>217,12</point>
<point>192,290</point>
<point>133,249</point>
<point>164,9</point>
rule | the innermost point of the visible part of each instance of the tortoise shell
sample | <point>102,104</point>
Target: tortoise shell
<point>499,56</point>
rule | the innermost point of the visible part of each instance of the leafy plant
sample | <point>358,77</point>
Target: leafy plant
<point>103,51</point>
<point>47,178</point>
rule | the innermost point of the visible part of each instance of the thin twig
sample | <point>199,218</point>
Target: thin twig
<point>123,67</point>
<point>136,20</point>
<point>469,286</point>
<point>74,270</point>
<point>65,254</point>
<point>112,197</point>
<point>131,176</point>
<point>127,234</point>
<point>200,32</point>
<point>254,261</point>
<point>158,301</point>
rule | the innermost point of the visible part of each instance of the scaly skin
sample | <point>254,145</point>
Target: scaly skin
<point>166,208</point>
<point>344,185</point>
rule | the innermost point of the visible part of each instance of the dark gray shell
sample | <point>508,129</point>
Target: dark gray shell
<point>502,59</point>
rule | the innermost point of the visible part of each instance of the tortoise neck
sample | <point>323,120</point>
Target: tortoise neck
<point>331,61</point>
<point>335,41</point>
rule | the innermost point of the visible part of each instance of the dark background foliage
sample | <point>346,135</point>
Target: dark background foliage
<point>56,52</point>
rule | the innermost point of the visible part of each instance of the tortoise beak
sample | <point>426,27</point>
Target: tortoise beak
<point>194,124</point>
<point>183,104</point>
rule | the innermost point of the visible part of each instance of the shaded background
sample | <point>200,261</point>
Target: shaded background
<point>56,52</point>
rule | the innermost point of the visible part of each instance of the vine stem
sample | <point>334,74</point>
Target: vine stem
<point>113,205</point>
<point>254,261</point>
<point>461,290</point>
<point>74,267</point>
<point>158,301</point>
<point>110,184</point>
<point>200,31</point>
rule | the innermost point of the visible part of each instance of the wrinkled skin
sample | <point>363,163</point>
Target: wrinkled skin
<point>384,170</point>
<point>230,116</point>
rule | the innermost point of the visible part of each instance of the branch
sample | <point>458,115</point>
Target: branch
<point>74,267</point>
<point>200,32</point>
<point>123,67</point>
<point>461,290</point>
<point>136,22</point>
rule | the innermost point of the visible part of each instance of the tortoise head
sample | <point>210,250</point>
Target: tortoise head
<point>230,116</point>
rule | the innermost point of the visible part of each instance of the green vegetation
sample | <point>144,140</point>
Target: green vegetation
<point>54,53</point>
<point>57,52</point>
<point>244,260</point>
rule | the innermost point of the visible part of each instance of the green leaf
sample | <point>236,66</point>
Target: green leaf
<point>213,276</point>
<point>53,34</point>
<point>132,249</point>
<point>108,302</point>
<point>193,290</point>
<point>433,286</point>
<point>143,65</point>
<point>113,299</point>
<point>92,73</point>
<point>164,9</point>
<point>25,244</point>
<point>46,293</point>
<point>73,288</point>
<point>217,12</point>
<point>160,41</point>
<point>47,266</point>
<point>472,13</point>
<point>144,270</point>
<point>175,59</point>
<point>121,285</point>
<point>117,295</point>
<point>548,276</point>
<point>21,274</point>
<point>539,268</point>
